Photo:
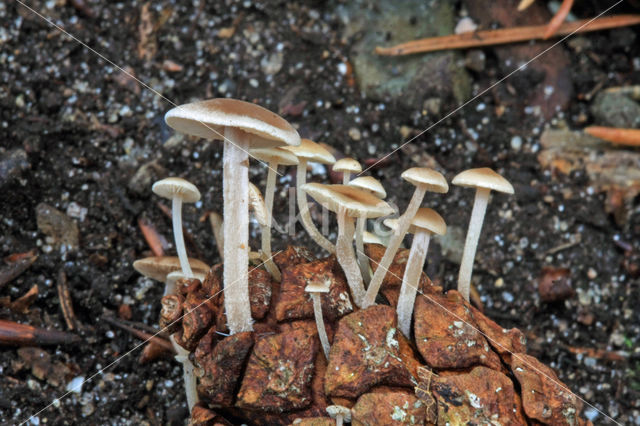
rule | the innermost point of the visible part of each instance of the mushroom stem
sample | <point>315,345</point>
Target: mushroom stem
<point>188,373</point>
<point>303,206</point>
<point>217,227</point>
<point>322,332</point>
<point>339,420</point>
<point>235,189</point>
<point>266,230</point>
<point>404,222</point>
<point>346,177</point>
<point>176,214</point>
<point>471,243</point>
<point>346,257</point>
<point>411,280</point>
<point>363,262</point>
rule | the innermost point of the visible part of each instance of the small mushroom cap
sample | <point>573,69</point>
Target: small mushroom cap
<point>371,184</point>
<point>483,178</point>
<point>208,119</point>
<point>370,238</point>
<point>157,268</point>
<point>335,410</point>
<point>256,203</point>
<point>173,277</point>
<point>311,151</point>
<point>347,165</point>
<point>356,201</point>
<point>425,219</point>
<point>277,155</point>
<point>176,187</point>
<point>318,286</point>
<point>433,180</point>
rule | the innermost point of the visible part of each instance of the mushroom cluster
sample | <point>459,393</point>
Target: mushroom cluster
<point>248,130</point>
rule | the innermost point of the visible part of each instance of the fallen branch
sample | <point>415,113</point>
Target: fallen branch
<point>505,35</point>
<point>13,333</point>
<point>627,137</point>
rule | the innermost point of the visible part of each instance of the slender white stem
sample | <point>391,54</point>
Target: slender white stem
<point>471,243</point>
<point>216,226</point>
<point>322,332</point>
<point>394,244</point>
<point>188,373</point>
<point>266,230</point>
<point>235,190</point>
<point>346,177</point>
<point>339,420</point>
<point>301,178</point>
<point>346,257</point>
<point>363,261</point>
<point>411,280</point>
<point>176,214</point>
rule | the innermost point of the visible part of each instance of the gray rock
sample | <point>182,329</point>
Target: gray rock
<point>61,229</point>
<point>12,163</point>
<point>408,79</point>
<point>616,110</point>
<point>145,176</point>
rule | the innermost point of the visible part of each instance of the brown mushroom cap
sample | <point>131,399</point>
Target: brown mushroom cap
<point>335,410</point>
<point>207,119</point>
<point>483,178</point>
<point>256,203</point>
<point>370,184</point>
<point>157,268</point>
<point>276,155</point>
<point>176,187</point>
<point>433,180</point>
<point>426,218</point>
<point>347,165</point>
<point>355,201</point>
<point>311,151</point>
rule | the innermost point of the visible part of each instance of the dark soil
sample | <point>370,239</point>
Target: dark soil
<point>87,129</point>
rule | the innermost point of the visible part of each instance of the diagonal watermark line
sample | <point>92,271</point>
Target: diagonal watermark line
<point>493,342</point>
<point>520,68</point>
<point>120,358</point>
<point>142,83</point>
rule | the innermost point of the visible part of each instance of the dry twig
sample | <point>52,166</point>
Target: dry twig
<point>505,35</point>
<point>627,137</point>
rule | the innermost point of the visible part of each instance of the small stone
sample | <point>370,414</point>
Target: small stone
<point>76,211</point>
<point>475,60</point>
<point>354,134</point>
<point>12,163</point>
<point>616,110</point>
<point>516,143</point>
<point>554,285</point>
<point>145,176</point>
<point>592,274</point>
<point>271,64</point>
<point>465,25</point>
<point>59,227</point>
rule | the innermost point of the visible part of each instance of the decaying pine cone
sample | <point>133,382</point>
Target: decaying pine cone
<point>459,367</point>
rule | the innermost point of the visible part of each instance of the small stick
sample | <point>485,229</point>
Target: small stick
<point>505,35</point>
<point>558,18</point>
<point>626,137</point>
<point>13,333</point>
<point>22,303</point>
<point>14,269</point>
<point>141,334</point>
<point>151,236</point>
<point>65,301</point>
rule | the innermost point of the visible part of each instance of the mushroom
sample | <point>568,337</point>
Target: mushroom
<point>273,157</point>
<point>339,413</point>
<point>346,166</point>
<point>371,238</point>
<point>484,180</point>
<point>217,225</point>
<point>261,213</point>
<point>424,179</point>
<point>242,126</point>
<point>348,202</point>
<point>425,223</point>
<point>310,151</point>
<point>178,191</point>
<point>315,288</point>
<point>374,187</point>
<point>158,268</point>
